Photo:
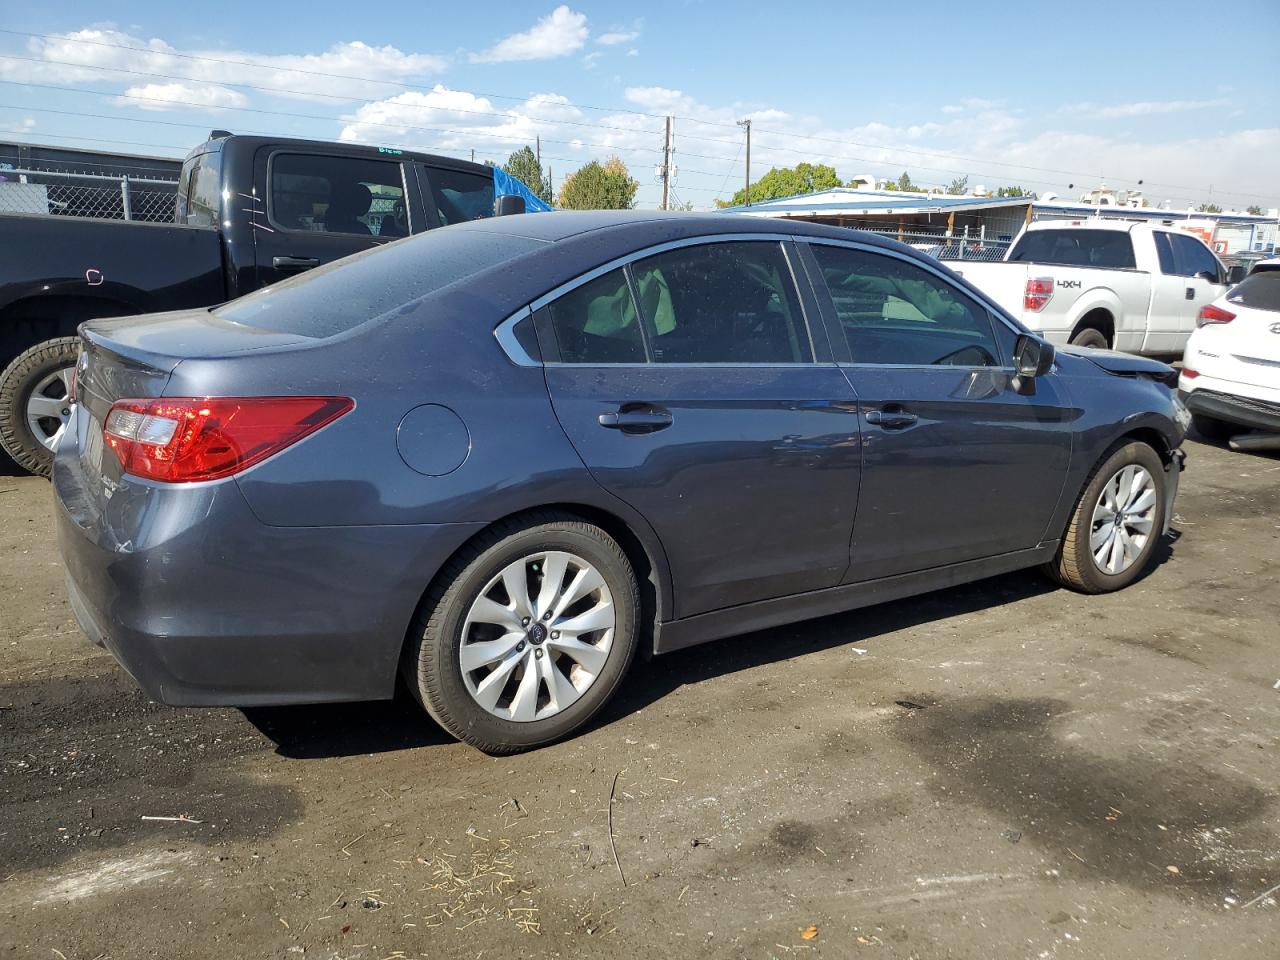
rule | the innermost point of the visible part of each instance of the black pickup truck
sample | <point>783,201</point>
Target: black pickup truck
<point>250,211</point>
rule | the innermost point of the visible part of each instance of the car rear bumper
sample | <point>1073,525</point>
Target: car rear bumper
<point>205,605</point>
<point>1232,408</point>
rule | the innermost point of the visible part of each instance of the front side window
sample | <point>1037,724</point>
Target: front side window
<point>349,195</point>
<point>460,196</point>
<point>597,322</point>
<point>893,312</point>
<point>1191,257</point>
<point>1164,250</point>
<point>729,302</point>
<point>1076,248</point>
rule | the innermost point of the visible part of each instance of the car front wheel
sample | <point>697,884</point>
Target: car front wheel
<point>526,634</point>
<point>1116,524</point>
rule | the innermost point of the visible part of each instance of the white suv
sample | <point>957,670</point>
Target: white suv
<point>1231,369</point>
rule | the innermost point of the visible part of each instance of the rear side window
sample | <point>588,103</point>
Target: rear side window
<point>346,293</point>
<point>200,191</point>
<point>1260,290</point>
<point>893,312</point>
<point>326,194</point>
<point>722,303</point>
<point>597,322</point>
<point>460,196</point>
<point>1076,248</point>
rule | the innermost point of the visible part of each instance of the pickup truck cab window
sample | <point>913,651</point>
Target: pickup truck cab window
<point>460,196</point>
<point>331,194</point>
<point>200,191</point>
<point>895,313</point>
<point>1071,247</point>
<point>1191,257</point>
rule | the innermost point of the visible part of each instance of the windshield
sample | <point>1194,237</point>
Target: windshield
<point>345,294</point>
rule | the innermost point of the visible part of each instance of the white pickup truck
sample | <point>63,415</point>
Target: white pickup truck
<point>1104,283</point>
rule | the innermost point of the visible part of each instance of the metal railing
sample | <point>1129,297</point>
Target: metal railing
<point>98,196</point>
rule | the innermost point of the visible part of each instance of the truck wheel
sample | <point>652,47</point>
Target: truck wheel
<point>526,634</point>
<point>1116,523</point>
<point>35,402</point>
<point>1090,337</point>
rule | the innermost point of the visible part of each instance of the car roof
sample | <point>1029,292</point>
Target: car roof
<point>645,226</point>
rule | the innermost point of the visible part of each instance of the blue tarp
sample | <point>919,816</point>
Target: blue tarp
<point>505,185</point>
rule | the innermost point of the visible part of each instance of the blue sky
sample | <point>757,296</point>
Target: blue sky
<point>1039,95</point>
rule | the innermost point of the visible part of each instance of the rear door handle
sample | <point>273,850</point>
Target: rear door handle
<point>642,419</point>
<point>295,263</point>
<point>891,419</point>
<point>1191,293</point>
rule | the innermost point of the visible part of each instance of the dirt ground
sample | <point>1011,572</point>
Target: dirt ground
<point>999,770</point>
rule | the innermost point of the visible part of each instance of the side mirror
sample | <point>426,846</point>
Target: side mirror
<point>1032,357</point>
<point>1236,273</point>
<point>507,205</point>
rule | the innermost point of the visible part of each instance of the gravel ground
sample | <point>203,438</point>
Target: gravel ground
<point>998,770</point>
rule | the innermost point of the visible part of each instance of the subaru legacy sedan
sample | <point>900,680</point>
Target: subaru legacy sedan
<point>501,459</point>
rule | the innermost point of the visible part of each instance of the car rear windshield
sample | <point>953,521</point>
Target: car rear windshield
<point>1260,290</point>
<point>335,298</point>
<point>1076,248</point>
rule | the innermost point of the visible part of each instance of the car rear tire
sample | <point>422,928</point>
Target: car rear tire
<point>1090,337</point>
<point>1116,524</point>
<point>34,402</point>
<point>526,634</point>
<point>1215,431</point>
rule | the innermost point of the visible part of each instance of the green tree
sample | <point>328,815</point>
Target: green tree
<point>524,166</point>
<point>788,182</point>
<point>904,183</point>
<point>1209,208</point>
<point>958,186</point>
<point>599,186</point>
<point>1012,192</point>
<point>1255,210</point>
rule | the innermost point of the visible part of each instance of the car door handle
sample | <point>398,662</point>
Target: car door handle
<point>643,419</point>
<point>295,263</point>
<point>891,419</point>
<point>1191,293</point>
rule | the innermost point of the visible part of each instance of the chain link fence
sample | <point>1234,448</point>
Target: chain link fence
<point>61,193</point>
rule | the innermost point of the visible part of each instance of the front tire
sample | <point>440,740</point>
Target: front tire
<point>526,634</point>
<point>35,402</point>
<point>1116,524</point>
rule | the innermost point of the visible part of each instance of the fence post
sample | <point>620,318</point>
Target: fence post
<point>124,196</point>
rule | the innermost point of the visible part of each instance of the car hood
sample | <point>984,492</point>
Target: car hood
<point>1125,364</point>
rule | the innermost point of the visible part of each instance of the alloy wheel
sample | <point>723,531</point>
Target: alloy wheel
<point>537,636</point>
<point>49,407</point>
<point>1123,519</point>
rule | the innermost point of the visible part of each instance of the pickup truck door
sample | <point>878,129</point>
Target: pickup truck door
<point>322,205</point>
<point>1180,290</point>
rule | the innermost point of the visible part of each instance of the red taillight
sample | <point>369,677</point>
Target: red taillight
<point>180,439</point>
<point>1038,293</point>
<point>1211,314</point>
<point>1189,373</point>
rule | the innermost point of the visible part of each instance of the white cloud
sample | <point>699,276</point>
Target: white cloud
<point>180,96</point>
<point>633,52</point>
<point>591,59</point>
<point>25,125</point>
<point>617,37</point>
<point>455,120</point>
<point>558,34</point>
<point>1145,108</point>
<point>293,75</point>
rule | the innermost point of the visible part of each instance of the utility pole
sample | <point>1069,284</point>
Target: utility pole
<point>666,167</point>
<point>746,125</point>
<point>538,141</point>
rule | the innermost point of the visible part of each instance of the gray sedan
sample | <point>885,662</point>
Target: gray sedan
<point>500,459</point>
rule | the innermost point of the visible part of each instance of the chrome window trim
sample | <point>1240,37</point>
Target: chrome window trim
<point>992,309</point>
<point>505,334</point>
<point>618,263</point>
